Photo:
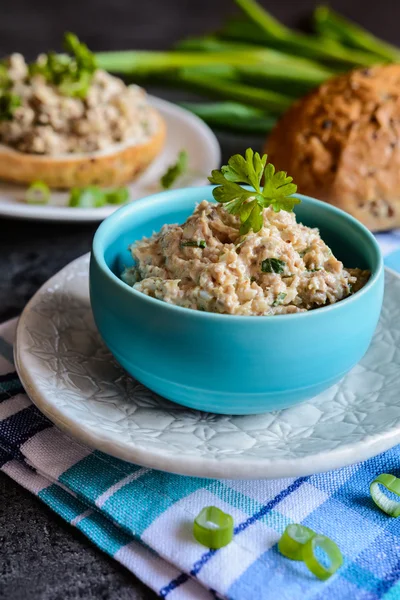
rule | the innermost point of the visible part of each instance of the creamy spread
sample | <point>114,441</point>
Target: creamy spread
<point>48,122</point>
<point>205,264</point>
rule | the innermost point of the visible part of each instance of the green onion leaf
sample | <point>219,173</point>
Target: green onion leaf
<point>213,528</point>
<point>273,265</point>
<point>38,193</point>
<point>194,244</point>
<point>392,484</point>
<point>175,171</point>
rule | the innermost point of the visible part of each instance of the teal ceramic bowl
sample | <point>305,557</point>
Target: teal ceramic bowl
<point>225,363</point>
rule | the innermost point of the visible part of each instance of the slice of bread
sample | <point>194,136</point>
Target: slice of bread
<point>117,165</point>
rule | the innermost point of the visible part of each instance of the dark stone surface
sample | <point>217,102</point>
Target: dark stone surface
<point>40,556</point>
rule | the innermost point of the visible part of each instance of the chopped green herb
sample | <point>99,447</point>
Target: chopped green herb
<point>315,270</point>
<point>273,265</point>
<point>89,197</point>
<point>4,77</point>
<point>279,299</point>
<point>194,244</point>
<point>95,197</point>
<point>8,103</point>
<point>249,204</point>
<point>117,196</point>
<point>175,171</point>
<point>304,252</point>
<point>71,74</point>
<point>350,286</point>
<point>38,193</point>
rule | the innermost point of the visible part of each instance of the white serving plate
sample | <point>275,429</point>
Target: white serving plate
<point>73,379</point>
<point>184,131</point>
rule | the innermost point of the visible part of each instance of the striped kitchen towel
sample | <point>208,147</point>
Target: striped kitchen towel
<point>143,518</point>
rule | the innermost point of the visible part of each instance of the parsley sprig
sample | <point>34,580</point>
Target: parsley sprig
<point>72,73</point>
<point>248,204</point>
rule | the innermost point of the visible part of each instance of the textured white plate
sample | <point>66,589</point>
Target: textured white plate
<point>184,131</point>
<point>72,378</point>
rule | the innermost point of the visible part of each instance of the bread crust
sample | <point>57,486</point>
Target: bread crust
<point>101,168</point>
<point>341,144</point>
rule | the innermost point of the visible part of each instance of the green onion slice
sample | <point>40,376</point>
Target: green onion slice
<point>213,528</point>
<point>314,564</point>
<point>392,484</point>
<point>89,197</point>
<point>293,539</point>
<point>38,193</point>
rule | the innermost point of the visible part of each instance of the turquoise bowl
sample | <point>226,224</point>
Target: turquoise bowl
<point>225,363</point>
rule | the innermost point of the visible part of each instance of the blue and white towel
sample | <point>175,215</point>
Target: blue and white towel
<point>143,518</point>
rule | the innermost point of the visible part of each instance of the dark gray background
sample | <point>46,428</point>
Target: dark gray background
<point>41,556</point>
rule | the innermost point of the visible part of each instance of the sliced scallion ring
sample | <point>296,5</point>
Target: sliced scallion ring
<point>38,193</point>
<point>213,528</point>
<point>392,484</point>
<point>312,561</point>
<point>293,539</point>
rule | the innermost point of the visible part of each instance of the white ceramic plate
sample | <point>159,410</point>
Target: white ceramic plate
<point>184,131</point>
<point>73,379</point>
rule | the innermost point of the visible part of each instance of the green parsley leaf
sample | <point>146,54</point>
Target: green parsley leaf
<point>38,193</point>
<point>249,204</point>
<point>273,265</point>
<point>8,103</point>
<point>279,299</point>
<point>175,171</point>
<point>194,244</point>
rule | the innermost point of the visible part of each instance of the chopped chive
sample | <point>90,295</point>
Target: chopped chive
<point>194,244</point>
<point>315,270</point>
<point>273,265</point>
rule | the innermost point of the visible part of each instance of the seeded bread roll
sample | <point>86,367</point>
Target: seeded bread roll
<point>341,144</point>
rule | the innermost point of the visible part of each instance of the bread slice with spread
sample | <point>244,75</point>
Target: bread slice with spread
<point>67,123</point>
